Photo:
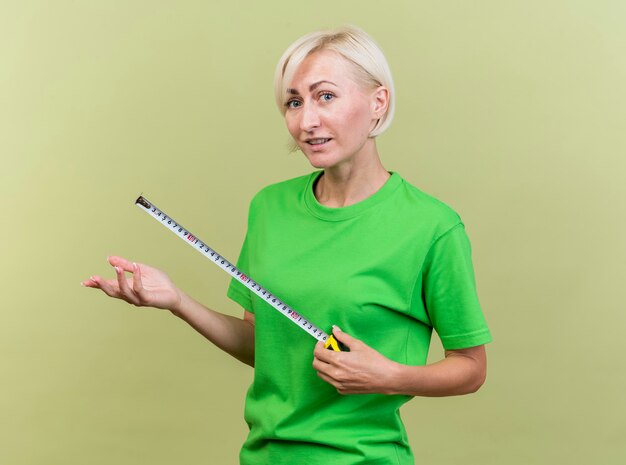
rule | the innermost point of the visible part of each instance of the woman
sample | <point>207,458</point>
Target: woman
<point>350,246</point>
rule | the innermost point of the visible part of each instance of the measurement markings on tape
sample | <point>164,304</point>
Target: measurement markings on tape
<point>329,341</point>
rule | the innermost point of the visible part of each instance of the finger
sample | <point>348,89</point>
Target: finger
<point>329,373</point>
<point>110,288</point>
<point>345,338</point>
<point>326,371</point>
<point>318,365</point>
<point>121,262</point>
<point>323,354</point>
<point>89,283</point>
<point>327,378</point>
<point>137,283</point>
<point>125,289</point>
<point>341,389</point>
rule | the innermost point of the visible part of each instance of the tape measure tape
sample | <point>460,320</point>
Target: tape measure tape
<point>329,341</point>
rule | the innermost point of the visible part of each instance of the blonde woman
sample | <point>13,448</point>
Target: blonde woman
<point>353,247</point>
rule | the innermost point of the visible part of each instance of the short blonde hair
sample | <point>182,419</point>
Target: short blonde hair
<point>353,44</point>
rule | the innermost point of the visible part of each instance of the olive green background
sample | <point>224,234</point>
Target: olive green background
<point>512,112</point>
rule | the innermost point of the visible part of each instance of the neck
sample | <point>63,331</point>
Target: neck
<point>350,183</point>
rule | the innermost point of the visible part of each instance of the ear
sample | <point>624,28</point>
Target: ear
<point>380,101</point>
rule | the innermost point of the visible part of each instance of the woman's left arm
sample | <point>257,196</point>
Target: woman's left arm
<point>363,370</point>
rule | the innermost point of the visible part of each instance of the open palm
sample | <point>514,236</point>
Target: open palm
<point>146,287</point>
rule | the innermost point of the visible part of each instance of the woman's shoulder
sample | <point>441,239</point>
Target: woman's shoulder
<point>298,183</point>
<point>429,205</point>
<point>289,188</point>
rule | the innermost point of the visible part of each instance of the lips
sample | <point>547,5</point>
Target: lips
<point>318,141</point>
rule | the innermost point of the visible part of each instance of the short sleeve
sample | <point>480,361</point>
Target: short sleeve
<point>236,290</point>
<point>449,292</point>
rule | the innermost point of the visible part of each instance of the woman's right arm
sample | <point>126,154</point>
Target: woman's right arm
<point>150,287</point>
<point>233,335</point>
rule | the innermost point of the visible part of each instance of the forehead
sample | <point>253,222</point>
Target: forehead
<point>324,65</point>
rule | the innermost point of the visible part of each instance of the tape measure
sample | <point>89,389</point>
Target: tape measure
<point>329,341</point>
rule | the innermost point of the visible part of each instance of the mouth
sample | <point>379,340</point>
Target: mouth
<point>318,141</point>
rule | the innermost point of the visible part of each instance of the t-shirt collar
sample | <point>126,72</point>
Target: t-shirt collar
<point>344,213</point>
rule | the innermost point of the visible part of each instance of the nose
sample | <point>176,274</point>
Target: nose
<point>309,118</point>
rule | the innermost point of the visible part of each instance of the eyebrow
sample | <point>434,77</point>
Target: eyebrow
<point>312,87</point>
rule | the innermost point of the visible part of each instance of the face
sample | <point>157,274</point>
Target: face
<point>329,114</point>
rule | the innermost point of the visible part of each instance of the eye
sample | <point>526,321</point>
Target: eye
<point>293,103</point>
<point>326,96</point>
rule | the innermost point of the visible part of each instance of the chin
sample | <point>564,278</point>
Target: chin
<point>320,165</point>
<point>321,160</point>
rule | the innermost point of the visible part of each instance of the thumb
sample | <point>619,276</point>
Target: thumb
<point>344,338</point>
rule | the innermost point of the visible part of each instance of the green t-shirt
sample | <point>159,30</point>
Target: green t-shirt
<point>386,270</point>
